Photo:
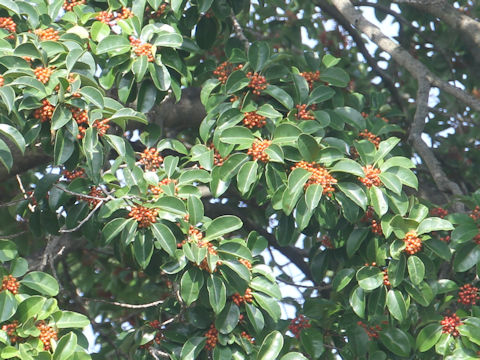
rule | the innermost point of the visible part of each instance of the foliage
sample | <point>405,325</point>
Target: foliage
<point>160,240</point>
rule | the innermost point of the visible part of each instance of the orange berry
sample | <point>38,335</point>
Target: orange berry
<point>371,176</point>
<point>151,159</point>
<point>68,5</point>
<point>413,243</point>
<point>45,112</point>
<point>311,77</point>
<point>257,82</point>
<point>47,333</point>
<point>257,151</point>
<point>252,119</point>
<point>47,34</point>
<point>144,216</point>
<point>320,176</point>
<point>11,284</point>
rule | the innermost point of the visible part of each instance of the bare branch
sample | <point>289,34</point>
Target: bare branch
<point>239,31</point>
<point>80,224</point>
<point>127,306</point>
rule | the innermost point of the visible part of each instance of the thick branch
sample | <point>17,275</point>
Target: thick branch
<point>342,20</point>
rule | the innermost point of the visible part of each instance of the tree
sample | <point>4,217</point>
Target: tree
<point>154,152</point>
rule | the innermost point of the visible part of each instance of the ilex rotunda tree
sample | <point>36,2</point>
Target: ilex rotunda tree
<point>235,179</point>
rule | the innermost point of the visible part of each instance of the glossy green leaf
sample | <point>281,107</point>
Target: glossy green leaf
<point>369,277</point>
<point>190,285</point>
<point>396,305</point>
<point>258,54</point>
<point>271,346</point>
<point>8,305</point>
<point>216,293</point>
<point>416,269</point>
<point>222,225</point>
<point>428,337</point>
<point>44,283</point>
<point>165,238</point>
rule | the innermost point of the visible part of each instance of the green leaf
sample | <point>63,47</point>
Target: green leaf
<point>379,200</point>
<point>247,176</point>
<point>72,57</point>
<point>99,31</point>
<point>466,257</point>
<point>464,232</point>
<point>222,225</point>
<point>192,348</point>
<point>65,347</point>
<point>236,81</point>
<point>428,337</point>
<point>416,269</point>
<point>309,148</point>
<point>142,249</point>
<point>228,319</point>
<point>255,317</point>
<point>165,238</point>
<point>280,95</point>
<point>271,346</point>
<point>348,166</point>
<point>335,76</point>
<point>342,279</point>
<point>320,94</point>
<point>190,285</point>
<point>8,305</point>
<point>293,356</point>
<point>8,97</point>
<point>114,227</point>
<point>61,116</point>
<point>313,194</point>
<point>31,83</point>
<point>10,5</point>
<point>5,155</point>
<point>64,148</point>
<point>355,240</point>
<point>216,293</point>
<point>270,305</point>
<point>286,134</point>
<point>92,95</point>
<point>8,250</point>
<point>440,248</point>
<point>369,277</point>
<point>434,224</point>
<point>357,301</point>
<point>301,88</point>
<point>206,32</point>
<point>312,341</point>
<point>44,283</point>
<point>147,95</point>
<point>330,60</point>
<point>421,293</point>
<point>237,135</point>
<point>384,148</point>
<point>351,117</point>
<point>114,44</point>
<point>391,182</point>
<point>396,271</point>
<point>258,54</point>
<point>167,36</point>
<point>195,210</point>
<point>396,305</point>
<point>30,307</point>
<point>204,5</point>
<point>396,341</point>
<point>70,319</point>
<point>355,193</point>
<point>160,76</point>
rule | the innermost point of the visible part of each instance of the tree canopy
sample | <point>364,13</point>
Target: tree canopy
<point>159,158</point>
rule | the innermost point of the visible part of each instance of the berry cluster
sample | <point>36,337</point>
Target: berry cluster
<point>156,14</point>
<point>372,331</point>
<point>8,24</point>
<point>95,192</point>
<point>257,151</point>
<point>105,17</point>
<point>374,139</point>
<point>245,263</point>
<point>371,176</point>
<point>10,329</point>
<point>475,214</point>
<point>102,126</point>
<point>45,112</point>
<point>376,227</point>
<point>70,175</point>
<point>47,333</point>
<point>445,238</point>
<point>450,324</point>
<point>298,324</point>
<point>81,118</point>
<point>126,13</point>
<point>252,119</point>
<point>43,74</point>
<point>413,243</point>
<point>311,77</point>
<point>157,190</point>
<point>205,267</point>
<point>140,48</point>
<point>476,239</point>
<point>303,113</point>
<point>68,5</point>
<point>326,241</point>
<point>439,212</point>
<point>320,175</point>
<point>2,81</point>
<point>47,34</point>
<point>386,281</point>
<point>239,299</point>
<point>223,71</point>
<point>212,338</point>
<point>151,159</point>
<point>217,159</point>
<point>248,337</point>
<point>144,216</point>
<point>468,295</point>
<point>257,82</point>
<point>194,234</point>
<point>11,284</point>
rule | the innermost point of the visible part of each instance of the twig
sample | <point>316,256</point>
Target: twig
<point>109,197</point>
<point>10,203</point>
<point>52,242</point>
<point>156,353</point>
<point>316,287</point>
<point>80,224</point>
<point>25,195</point>
<point>239,31</point>
<point>12,236</point>
<point>127,306</point>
